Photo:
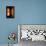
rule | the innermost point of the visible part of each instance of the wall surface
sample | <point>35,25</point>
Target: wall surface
<point>26,12</point>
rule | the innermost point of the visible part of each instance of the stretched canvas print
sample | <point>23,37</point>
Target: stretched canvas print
<point>10,11</point>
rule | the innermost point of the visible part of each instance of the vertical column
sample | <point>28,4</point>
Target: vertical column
<point>18,33</point>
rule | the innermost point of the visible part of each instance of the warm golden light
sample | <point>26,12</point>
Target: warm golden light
<point>12,11</point>
<point>8,12</point>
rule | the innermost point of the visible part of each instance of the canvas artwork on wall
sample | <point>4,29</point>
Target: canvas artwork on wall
<point>10,12</point>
